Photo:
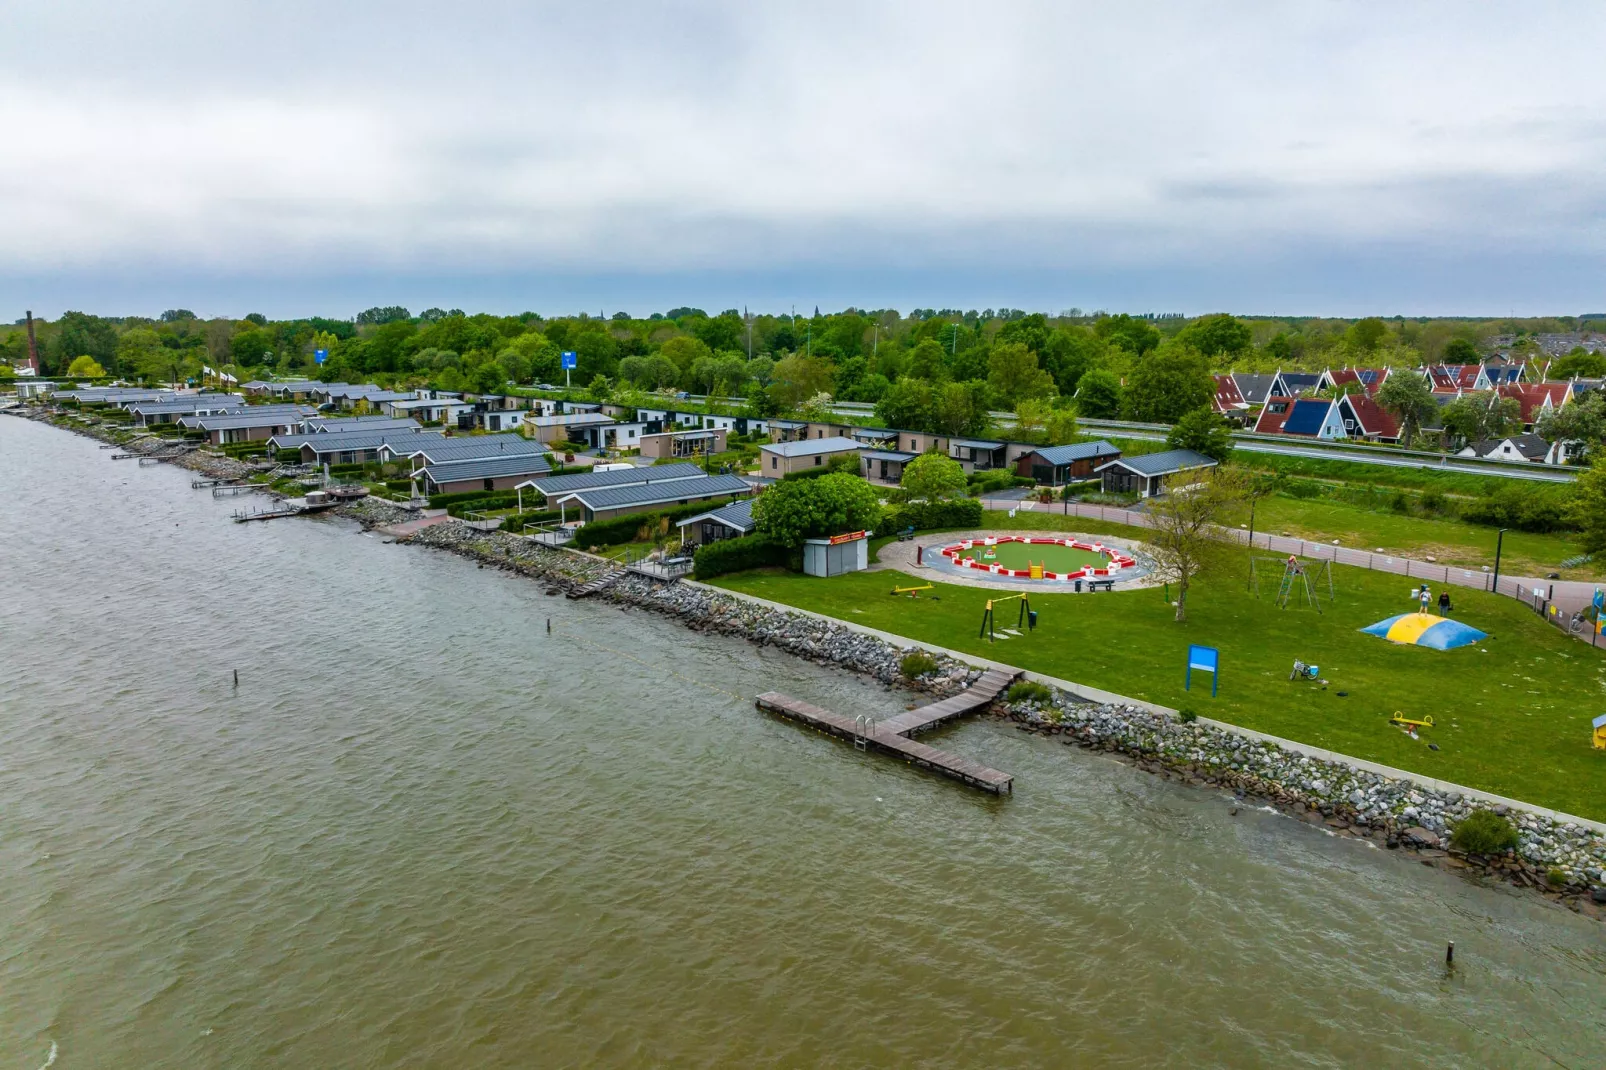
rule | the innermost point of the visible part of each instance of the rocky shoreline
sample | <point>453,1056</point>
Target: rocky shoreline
<point>1562,861</point>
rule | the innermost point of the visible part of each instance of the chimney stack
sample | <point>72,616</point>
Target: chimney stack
<point>33,346</point>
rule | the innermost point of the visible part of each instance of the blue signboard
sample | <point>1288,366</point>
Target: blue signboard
<point>1205,659</point>
<point>569,359</point>
<point>320,355</point>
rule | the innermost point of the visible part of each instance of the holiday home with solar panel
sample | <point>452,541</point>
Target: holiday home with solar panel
<point>1317,418</point>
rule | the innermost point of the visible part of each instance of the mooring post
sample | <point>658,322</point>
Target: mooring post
<point>236,677</point>
<point>1449,954</point>
<point>549,625</point>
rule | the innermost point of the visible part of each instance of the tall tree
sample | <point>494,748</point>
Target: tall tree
<point>1203,431</point>
<point>1406,397</point>
<point>1098,395</point>
<point>1165,384</point>
<point>1013,374</point>
<point>932,477</point>
<point>1220,336</point>
<point>797,509</point>
<point>1185,537</point>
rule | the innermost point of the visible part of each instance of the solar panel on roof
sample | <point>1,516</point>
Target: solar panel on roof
<point>1307,418</point>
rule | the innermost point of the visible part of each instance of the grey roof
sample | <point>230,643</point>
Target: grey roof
<point>1161,464</point>
<point>619,477</point>
<point>1253,387</point>
<point>809,447</point>
<point>512,464</point>
<point>189,401</point>
<point>738,515</point>
<point>437,450</point>
<point>1529,445</point>
<point>330,426</point>
<point>427,403</point>
<point>880,434</point>
<point>677,490</point>
<point>887,455</point>
<point>776,422</point>
<point>230,421</point>
<point>977,443</point>
<point>573,419</point>
<point>1076,451</point>
<point>338,441</point>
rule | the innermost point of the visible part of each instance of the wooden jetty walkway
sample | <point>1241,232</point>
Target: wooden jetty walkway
<point>891,736</point>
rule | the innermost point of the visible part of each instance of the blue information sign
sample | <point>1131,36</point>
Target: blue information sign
<point>569,359</point>
<point>1205,659</point>
<point>320,355</point>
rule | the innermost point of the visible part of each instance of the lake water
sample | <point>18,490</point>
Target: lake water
<point>422,832</point>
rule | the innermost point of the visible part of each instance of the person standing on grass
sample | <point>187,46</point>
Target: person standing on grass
<point>1444,603</point>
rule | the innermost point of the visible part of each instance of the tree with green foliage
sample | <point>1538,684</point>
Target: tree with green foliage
<point>907,405</point>
<point>1070,353</point>
<point>1185,539</point>
<point>1098,395</point>
<point>1579,428</point>
<point>960,409</point>
<point>1203,431</point>
<point>798,378</point>
<point>1364,336</point>
<point>1587,509</point>
<point>85,367</point>
<point>928,361</point>
<point>1172,380</point>
<point>1279,350</point>
<point>797,509</point>
<point>1218,337</point>
<point>933,477</point>
<point>79,334</point>
<point>1480,418</point>
<point>1060,428</point>
<point>1407,398</point>
<point>1460,351</point>
<point>1013,374</point>
<point>1133,335</point>
<point>1578,364</point>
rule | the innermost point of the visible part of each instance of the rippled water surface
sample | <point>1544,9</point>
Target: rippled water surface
<point>423,832</point>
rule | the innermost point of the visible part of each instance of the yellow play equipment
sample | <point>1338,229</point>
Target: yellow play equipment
<point>1600,732</point>
<point>1406,722</point>
<point>1035,570</point>
<point>910,591</point>
<point>1027,617</point>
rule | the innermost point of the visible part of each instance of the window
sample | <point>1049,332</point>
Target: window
<point>488,485</point>
<point>775,462</point>
<point>817,460</point>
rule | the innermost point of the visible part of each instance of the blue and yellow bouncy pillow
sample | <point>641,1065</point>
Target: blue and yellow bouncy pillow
<point>1424,629</point>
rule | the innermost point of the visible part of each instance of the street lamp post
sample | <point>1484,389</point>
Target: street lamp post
<point>1498,542</point>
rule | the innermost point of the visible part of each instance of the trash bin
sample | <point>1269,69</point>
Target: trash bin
<point>1031,620</point>
<point>1078,586</point>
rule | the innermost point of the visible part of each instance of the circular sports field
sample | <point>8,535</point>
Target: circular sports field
<point>1054,557</point>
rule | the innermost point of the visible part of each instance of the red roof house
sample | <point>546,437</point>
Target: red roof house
<point>1366,419</point>
<point>1228,400</point>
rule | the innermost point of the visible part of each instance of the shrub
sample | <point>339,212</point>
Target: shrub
<point>1187,715</point>
<point>520,521</point>
<point>1556,877</point>
<point>1484,832</point>
<point>1399,502</point>
<point>917,664</point>
<point>1434,501</point>
<point>1030,691</point>
<point>923,516</point>
<point>736,555</point>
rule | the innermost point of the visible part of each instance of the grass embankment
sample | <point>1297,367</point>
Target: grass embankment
<point>1512,713</point>
<point>1448,541</point>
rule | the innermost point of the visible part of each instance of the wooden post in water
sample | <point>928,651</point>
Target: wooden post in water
<point>236,677</point>
<point>1449,954</point>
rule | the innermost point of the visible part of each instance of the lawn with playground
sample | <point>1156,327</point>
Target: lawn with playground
<point>1512,713</point>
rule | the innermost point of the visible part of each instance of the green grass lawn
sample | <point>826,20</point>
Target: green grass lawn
<point>1513,713</point>
<point>1020,555</point>
<point>1448,541</point>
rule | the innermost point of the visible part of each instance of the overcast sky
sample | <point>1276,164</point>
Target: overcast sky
<point>296,157</point>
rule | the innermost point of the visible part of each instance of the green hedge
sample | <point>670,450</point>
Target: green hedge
<point>736,555</point>
<point>924,516</point>
<point>520,521</point>
<point>623,529</point>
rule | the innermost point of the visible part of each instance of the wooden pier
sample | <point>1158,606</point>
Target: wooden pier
<point>891,736</point>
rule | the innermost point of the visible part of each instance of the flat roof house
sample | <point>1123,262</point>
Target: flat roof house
<point>779,459</point>
<point>1057,465</point>
<point>884,466</point>
<point>564,427</point>
<point>601,503</point>
<point>683,443</point>
<point>434,410</point>
<point>1150,475</point>
<point>979,454</point>
<point>483,473</point>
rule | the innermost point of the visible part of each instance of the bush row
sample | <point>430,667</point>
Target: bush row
<point>735,555</point>
<point>922,516</point>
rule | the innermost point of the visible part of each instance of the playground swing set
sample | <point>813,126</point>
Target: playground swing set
<point>1028,617</point>
<point>1295,581</point>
